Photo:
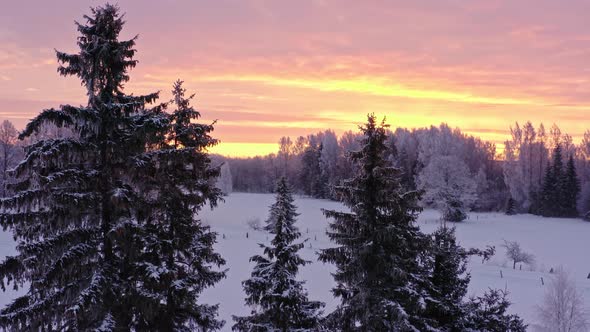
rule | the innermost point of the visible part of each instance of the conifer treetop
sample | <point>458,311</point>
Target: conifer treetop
<point>278,299</point>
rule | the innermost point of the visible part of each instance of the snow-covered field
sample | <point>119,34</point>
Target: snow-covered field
<point>553,241</point>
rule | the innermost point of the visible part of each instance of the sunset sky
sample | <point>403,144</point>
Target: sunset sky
<point>267,69</point>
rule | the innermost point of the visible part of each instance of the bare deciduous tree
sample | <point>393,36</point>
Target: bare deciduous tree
<point>516,254</point>
<point>562,309</point>
<point>8,138</point>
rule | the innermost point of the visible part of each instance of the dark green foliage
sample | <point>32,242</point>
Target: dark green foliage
<point>84,214</point>
<point>176,264</point>
<point>380,281</point>
<point>570,190</point>
<point>488,314</point>
<point>511,206</point>
<point>454,210</point>
<point>449,280</point>
<point>548,193</point>
<point>279,301</point>
<point>561,188</point>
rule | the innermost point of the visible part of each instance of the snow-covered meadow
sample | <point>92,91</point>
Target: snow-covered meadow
<point>553,241</point>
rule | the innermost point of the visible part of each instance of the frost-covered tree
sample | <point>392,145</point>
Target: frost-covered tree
<point>448,186</point>
<point>329,158</point>
<point>487,313</point>
<point>8,152</point>
<point>311,177</point>
<point>81,212</point>
<point>563,309</point>
<point>177,260</point>
<point>525,156</point>
<point>279,301</point>
<point>348,142</point>
<point>224,181</point>
<point>379,276</point>
<point>515,253</point>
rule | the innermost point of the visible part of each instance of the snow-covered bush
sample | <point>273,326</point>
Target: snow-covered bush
<point>489,313</point>
<point>516,254</point>
<point>254,224</point>
<point>453,209</point>
<point>562,309</point>
<point>511,207</point>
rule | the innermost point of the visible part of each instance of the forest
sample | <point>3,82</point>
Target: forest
<point>539,171</point>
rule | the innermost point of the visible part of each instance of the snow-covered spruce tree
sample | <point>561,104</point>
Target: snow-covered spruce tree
<point>487,313</point>
<point>178,260</point>
<point>80,212</point>
<point>278,299</point>
<point>449,280</point>
<point>380,279</point>
<point>453,208</point>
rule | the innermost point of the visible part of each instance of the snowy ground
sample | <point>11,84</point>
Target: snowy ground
<point>554,242</point>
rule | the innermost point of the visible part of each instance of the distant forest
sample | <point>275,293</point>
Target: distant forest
<point>540,171</point>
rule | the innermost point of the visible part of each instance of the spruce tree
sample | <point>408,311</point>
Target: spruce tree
<point>571,189</point>
<point>548,193</point>
<point>453,208</point>
<point>558,200</point>
<point>489,313</point>
<point>449,280</point>
<point>278,299</point>
<point>511,206</point>
<point>380,280</point>
<point>81,213</point>
<point>178,259</point>
<point>561,187</point>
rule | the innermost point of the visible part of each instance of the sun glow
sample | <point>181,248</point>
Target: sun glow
<point>243,149</point>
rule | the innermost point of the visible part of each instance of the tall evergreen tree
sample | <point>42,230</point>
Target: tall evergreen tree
<point>558,200</point>
<point>81,213</point>
<point>561,187</point>
<point>511,206</point>
<point>279,299</point>
<point>380,279</point>
<point>449,280</point>
<point>570,189</point>
<point>178,259</point>
<point>548,193</point>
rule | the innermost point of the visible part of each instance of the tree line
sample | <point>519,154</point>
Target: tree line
<point>538,172</point>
